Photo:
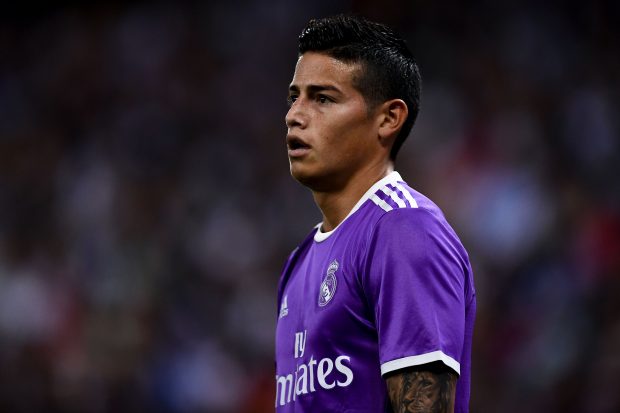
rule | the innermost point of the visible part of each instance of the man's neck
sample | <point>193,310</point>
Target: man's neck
<point>336,205</point>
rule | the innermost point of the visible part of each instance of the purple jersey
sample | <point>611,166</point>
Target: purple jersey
<point>390,287</point>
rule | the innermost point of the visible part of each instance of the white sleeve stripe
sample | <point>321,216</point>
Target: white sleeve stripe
<point>392,194</point>
<point>412,201</point>
<point>380,202</point>
<point>419,360</point>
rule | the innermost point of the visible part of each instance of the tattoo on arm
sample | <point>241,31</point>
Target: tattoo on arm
<point>429,388</point>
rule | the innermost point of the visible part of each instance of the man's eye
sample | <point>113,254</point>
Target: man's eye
<point>291,99</point>
<point>323,99</point>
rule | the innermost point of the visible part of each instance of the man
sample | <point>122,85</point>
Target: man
<point>376,306</point>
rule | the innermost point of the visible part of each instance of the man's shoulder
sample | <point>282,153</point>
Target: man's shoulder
<point>395,203</point>
<point>393,195</point>
<point>389,202</point>
<point>406,215</point>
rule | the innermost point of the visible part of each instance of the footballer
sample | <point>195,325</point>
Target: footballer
<point>376,306</point>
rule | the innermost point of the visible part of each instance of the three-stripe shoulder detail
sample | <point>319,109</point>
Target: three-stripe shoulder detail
<point>393,196</point>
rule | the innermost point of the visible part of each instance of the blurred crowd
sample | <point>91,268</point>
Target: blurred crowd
<point>146,207</point>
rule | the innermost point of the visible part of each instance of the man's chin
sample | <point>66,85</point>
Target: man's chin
<point>314,180</point>
<point>302,175</point>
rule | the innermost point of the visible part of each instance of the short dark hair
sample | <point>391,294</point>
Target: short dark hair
<point>388,69</point>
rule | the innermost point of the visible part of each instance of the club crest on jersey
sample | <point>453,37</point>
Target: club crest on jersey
<point>328,286</point>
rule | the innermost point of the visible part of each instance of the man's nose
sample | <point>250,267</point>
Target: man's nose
<point>296,115</point>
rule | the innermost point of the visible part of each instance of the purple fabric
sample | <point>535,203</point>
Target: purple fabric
<point>384,286</point>
<point>383,196</point>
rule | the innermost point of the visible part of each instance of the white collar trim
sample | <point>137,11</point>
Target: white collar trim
<point>390,178</point>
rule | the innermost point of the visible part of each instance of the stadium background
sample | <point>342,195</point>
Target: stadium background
<point>146,207</point>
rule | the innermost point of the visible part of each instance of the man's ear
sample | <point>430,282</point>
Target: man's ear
<point>392,116</point>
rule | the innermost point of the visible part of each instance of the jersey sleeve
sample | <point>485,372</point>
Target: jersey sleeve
<point>414,281</point>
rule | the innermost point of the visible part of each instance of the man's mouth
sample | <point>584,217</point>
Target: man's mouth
<point>296,147</point>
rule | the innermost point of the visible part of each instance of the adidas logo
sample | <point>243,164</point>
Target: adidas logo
<point>284,307</point>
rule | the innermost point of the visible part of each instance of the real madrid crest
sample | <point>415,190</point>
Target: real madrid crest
<point>328,286</point>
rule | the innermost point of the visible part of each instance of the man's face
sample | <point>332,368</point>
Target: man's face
<point>331,135</point>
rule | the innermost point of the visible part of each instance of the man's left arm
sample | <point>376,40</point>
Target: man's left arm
<point>428,388</point>
<point>415,283</point>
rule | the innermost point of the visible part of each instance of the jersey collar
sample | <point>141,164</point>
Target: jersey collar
<point>390,178</point>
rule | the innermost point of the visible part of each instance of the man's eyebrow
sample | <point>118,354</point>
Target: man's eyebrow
<point>315,88</point>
